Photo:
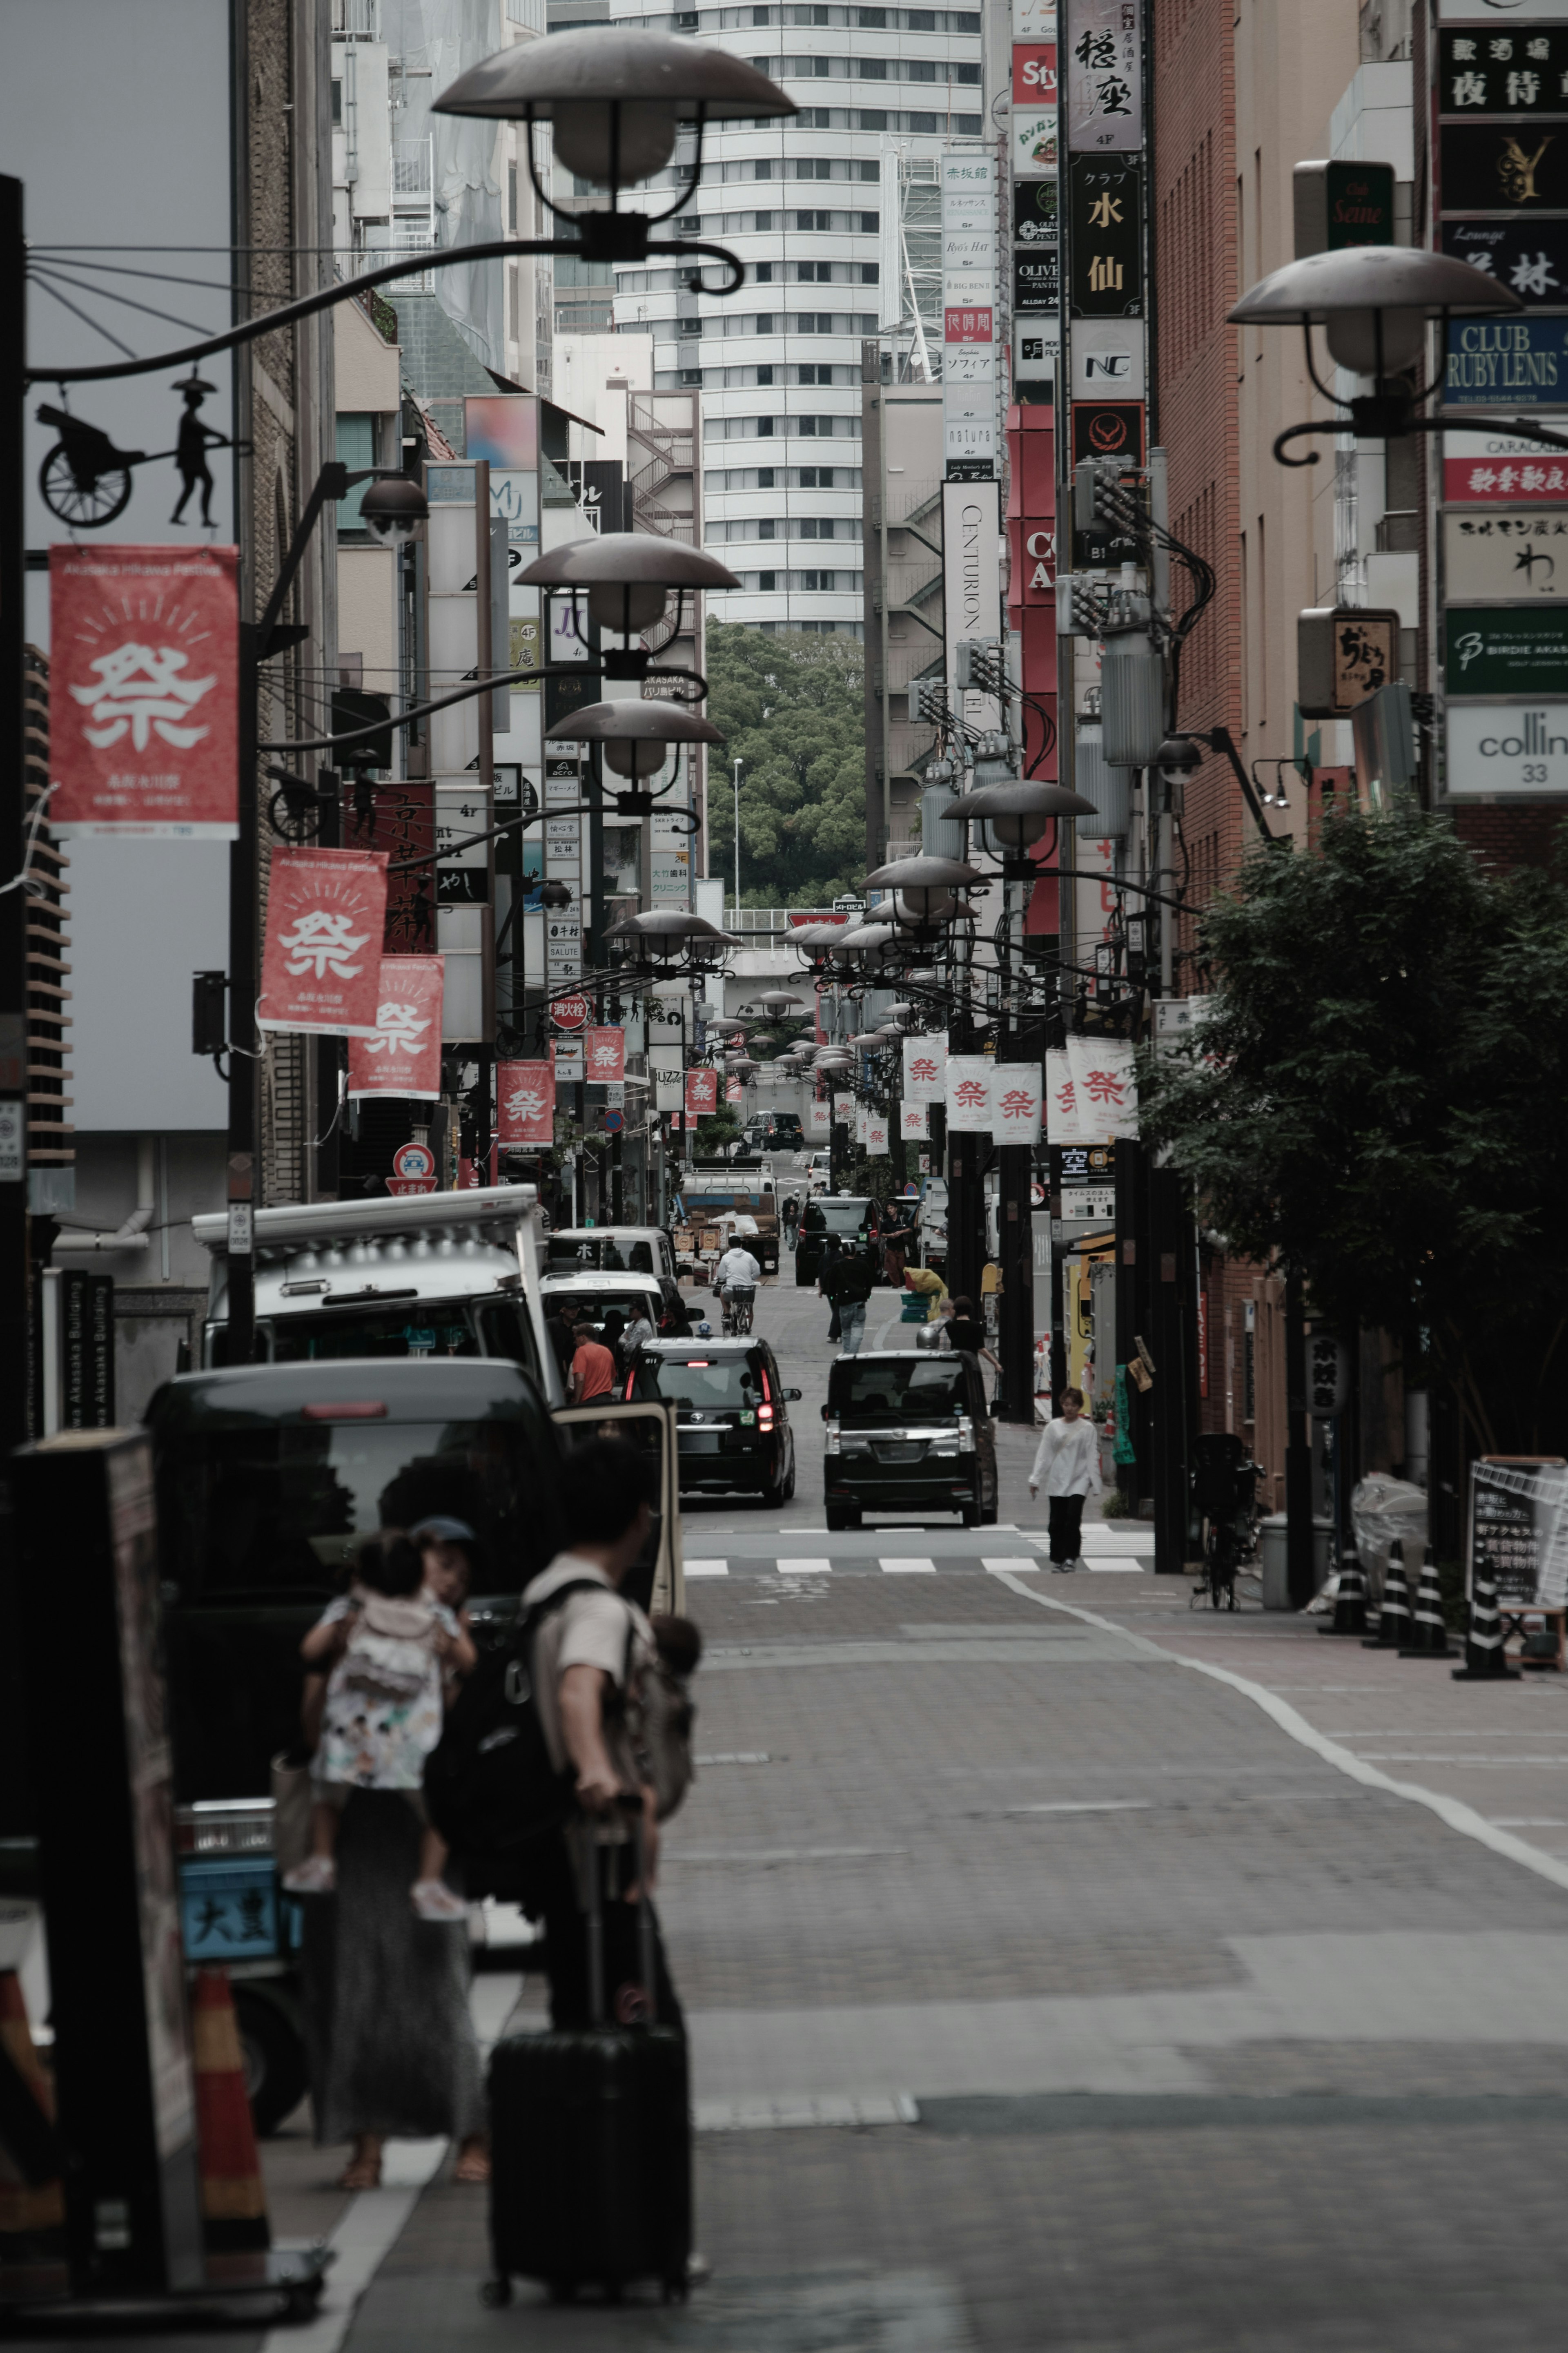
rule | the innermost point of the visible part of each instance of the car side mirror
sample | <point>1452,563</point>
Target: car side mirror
<point>793,1397</point>
<point>824,1413</point>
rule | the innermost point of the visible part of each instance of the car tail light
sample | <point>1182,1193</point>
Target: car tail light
<point>764,1417</point>
<point>345,1409</point>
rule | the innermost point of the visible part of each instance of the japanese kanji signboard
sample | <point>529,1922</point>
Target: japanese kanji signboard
<point>969,1078</point>
<point>1061,1099</point>
<point>925,1067</point>
<point>1341,657</point>
<point>403,1058</point>
<point>1519,1525</point>
<point>820,1119</point>
<point>915,1121</point>
<point>145,681</point>
<point>1105,201</point>
<point>321,969</point>
<point>1105,78</point>
<point>1515,556</point>
<point>604,1054</point>
<point>701,1093</point>
<point>875,1132</point>
<point>1487,71</point>
<point>1105,1092</point>
<point>1493,468</point>
<point>571,1012</point>
<point>525,1103</point>
<point>398,818</point>
<point>1015,1093</point>
<point>1529,257</point>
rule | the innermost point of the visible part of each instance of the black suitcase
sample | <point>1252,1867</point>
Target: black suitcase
<point>591,2151</point>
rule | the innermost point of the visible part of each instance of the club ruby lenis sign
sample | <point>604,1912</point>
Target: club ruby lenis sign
<point>321,968</point>
<point>144,682</point>
<point>525,1097</point>
<point>701,1093</point>
<point>404,1057</point>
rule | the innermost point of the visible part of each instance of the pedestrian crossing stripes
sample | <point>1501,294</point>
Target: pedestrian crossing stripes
<point>888,1565</point>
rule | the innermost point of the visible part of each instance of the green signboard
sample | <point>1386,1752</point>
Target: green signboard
<point>1358,205</point>
<point>1498,650</point>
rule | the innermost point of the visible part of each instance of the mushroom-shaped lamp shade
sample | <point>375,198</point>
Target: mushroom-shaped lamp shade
<point>636,734</point>
<point>924,886</point>
<point>616,98</point>
<point>626,576</point>
<point>393,508</point>
<point>1016,812</point>
<point>778,1002</point>
<point>1373,301</point>
<point>666,932</point>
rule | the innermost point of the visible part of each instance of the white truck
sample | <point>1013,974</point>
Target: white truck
<point>431,1274</point>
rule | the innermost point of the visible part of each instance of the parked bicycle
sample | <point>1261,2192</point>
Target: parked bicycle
<point>1223,1488</point>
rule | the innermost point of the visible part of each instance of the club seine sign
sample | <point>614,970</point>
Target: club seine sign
<point>1507,751</point>
<point>1517,362</point>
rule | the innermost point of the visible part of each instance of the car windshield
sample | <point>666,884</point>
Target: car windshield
<point>584,1305</point>
<point>838,1217</point>
<point>603,1253</point>
<point>412,1327</point>
<point>704,1382</point>
<point>277,1510</point>
<point>895,1389</point>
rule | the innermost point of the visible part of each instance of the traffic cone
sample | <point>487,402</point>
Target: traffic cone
<point>1486,1662</point>
<point>1429,1636</point>
<point>1393,1620</point>
<point>1349,1598</point>
<point>24,2206</point>
<point>233,2196</point>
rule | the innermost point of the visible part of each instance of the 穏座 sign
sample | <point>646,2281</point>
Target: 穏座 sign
<point>144,692</point>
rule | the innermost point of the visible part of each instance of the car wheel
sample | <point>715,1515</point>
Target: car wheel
<point>789,1485</point>
<point>275,2072</point>
<point>839,1518</point>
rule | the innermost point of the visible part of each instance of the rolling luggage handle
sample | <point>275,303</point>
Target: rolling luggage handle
<point>634,1806</point>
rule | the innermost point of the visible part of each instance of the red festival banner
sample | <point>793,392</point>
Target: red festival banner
<point>525,1099</point>
<point>321,967</point>
<point>701,1093</point>
<point>144,691</point>
<point>403,1058</point>
<point>604,1056</point>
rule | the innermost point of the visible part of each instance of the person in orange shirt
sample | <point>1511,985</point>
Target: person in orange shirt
<point>592,1368</point>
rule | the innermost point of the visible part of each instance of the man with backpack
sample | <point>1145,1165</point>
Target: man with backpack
<point>590,1655</point>
<point>854,1278</point>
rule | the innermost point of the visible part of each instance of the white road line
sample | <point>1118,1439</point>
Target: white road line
<point>1023,1566</point>
<point>1089,1806</point>
<point>1099,1565</point>
<point>907,1568</point>
<point>1452,1810</point>
<point>366,2235</point>
<point>805,1568</point>
<point>707,1569</point>
<point>796,2108</point>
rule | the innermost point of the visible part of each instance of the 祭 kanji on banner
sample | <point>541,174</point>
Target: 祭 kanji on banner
<point>969,1080</point>
<point>1061,1099</point>
<point>860,1118</point>
<point>525,1104</point>
<point>144,692</point>
<point>925,1070</point>
<point>1105,1090</point>
<point>321,969</point>
<point>876,1133</point>
<point>734,1091</point>
<point>403,1058</point>
<point>604,1056</point>
<point>820,1119</point>
<point>843,1109</point>
<point>701,1093</point>
<point>915,1121</point>
<point>1015,1094</point>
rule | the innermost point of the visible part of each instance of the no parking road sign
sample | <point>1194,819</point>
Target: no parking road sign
<point>413,1169</point>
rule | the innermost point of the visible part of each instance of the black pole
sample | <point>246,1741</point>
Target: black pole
<point>15,1276</point>
<point>1301,1569</point>
<point>1171,1398</point>
<point>1132,1476</point>
<point>244,981</point>
<point>1015,1244</point>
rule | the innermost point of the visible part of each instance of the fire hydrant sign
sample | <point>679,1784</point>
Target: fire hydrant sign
<point>144,692</point>
<point>525,1097</point>
<point>404,1057</point>
<point>321,968</point>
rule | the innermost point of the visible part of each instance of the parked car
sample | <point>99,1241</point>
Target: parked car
<point>782,1132</point>
<point>609,1249</point>
<point>854,1219</point>
<point>732,1424</point>
<point>901,1436</point>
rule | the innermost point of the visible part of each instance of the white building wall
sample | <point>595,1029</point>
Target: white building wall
<point>809,205</point>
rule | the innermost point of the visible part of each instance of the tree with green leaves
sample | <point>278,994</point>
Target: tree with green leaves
<point>791,710</point>
<point>1378,1102</point>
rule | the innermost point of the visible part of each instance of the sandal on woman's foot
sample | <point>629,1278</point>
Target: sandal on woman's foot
<point>433,1900</point>
<point>473,2164</point>
<point>364,2173</point>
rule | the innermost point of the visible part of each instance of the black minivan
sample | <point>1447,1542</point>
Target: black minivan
<point>901,1436</point>
<point>733,1427</point>
<point>854,1220</point>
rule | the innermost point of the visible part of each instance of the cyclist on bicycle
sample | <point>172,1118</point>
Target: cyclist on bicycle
<point>735,1278</point>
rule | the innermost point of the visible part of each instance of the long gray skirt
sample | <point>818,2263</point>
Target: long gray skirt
<point>391,2043</point>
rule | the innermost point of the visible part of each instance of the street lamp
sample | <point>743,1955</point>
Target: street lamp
<point>394,506</point>
<point>1374,302</point>
<point>1011,815</point>
<point>636,734</point>
<point>925,887</point>
<point>627,577</point>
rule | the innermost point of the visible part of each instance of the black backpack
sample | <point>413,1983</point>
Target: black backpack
<point>489,1784</point>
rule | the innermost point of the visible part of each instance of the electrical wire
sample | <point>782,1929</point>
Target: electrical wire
<point>43,287</point>
<point>41,272</point>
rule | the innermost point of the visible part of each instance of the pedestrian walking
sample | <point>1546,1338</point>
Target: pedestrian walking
<point>590,1657</point>
<point>1068,1464</point>
<point>593,1368</point>
<point>638,1333</point>
<point>852,1288</point>
<point>898,1236</point>
<point>558,1332</point>
<point>791,1222</point>
<point>827,1280</point>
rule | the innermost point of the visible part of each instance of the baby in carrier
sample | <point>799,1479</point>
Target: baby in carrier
<point>382,1709</point>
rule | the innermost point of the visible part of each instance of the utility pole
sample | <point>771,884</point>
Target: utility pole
<point>736,766</point>
<point>16,1269</point>
<point>1300,1567</point>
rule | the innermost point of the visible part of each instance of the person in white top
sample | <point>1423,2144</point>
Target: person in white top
<point>737,1271</point>
<point>1067,1461</point>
